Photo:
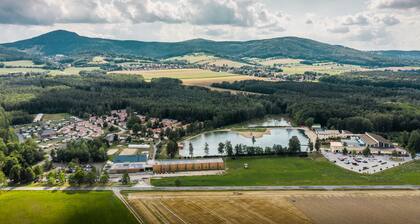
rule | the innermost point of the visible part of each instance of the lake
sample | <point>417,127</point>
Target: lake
<point>276,136</point>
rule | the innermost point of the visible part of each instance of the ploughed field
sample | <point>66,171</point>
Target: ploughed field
<point>45,207</point>
<point>294,207</point>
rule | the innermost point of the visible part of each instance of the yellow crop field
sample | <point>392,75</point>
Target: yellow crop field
<point>190,76</point>
<point>327,207</point>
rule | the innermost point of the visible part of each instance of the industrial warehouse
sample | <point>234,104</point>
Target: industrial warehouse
<point>168,166</point>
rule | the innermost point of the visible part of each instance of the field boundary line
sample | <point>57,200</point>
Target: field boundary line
<point>118,194</point>
<point>172,212</point>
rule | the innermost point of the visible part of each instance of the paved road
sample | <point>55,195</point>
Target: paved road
<point>218,188</point>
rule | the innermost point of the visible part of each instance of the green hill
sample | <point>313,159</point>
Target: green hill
<point>9,54</point>
<point>69,43</point>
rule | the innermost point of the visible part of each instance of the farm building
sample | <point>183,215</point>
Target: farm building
<point>375,141</point>
<point>118,168</point>
<point>357,143</point>
<point>131,155</point>
<point>164,166</point>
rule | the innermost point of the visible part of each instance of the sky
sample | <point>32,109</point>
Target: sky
<point>361,24</point>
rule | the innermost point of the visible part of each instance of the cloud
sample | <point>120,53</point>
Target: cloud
<point>359,19</point>
<point>369,35</point>
<point>395,4</point>
<point>215,32</point>
<point>339,29</point>
<point>390,20</point>
<point>241,13</point>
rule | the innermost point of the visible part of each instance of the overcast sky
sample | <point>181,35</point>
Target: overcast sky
<point>362,24</point>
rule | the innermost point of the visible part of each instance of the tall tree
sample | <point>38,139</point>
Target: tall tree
<point>125,179</point>
<point>311,146</point>
<point>229,148</point>
<point>191,149</point>
<point>221,148</point>
<point>172,149</point>
<point>414,141</point>
<point>206,149</point>
<point>3,178</point>
<point>294,144</point>
<point>317,145</point>
<point>15,174</point>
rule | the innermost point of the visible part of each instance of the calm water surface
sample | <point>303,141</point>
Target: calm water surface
<point>277,136</point>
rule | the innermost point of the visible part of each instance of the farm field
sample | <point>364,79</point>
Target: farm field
<point>23,63</point>
<point>55,117</point>
<point>329,68</point>
<point>203,59</point>
<point>46,207</point>
<point>189,76</point>
<point>277,207</point>
<point>72,70</point>
<point>67,71</point>
<point>291,171</point>
<point>5,71</point>
<point>273,61</point>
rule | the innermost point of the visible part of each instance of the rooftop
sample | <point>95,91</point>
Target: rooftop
<point>378,138</point>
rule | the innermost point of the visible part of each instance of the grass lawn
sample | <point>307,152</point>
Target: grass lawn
<point>55,117</point>
<point>46,207</point>
<point>296,171</point>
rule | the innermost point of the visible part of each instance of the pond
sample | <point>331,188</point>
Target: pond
<point>273,136</point>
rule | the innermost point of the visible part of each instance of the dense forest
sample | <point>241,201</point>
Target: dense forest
<point>355,102</point>
<point>164,98</point>
<point>17,161</point>
<point>386,102</point>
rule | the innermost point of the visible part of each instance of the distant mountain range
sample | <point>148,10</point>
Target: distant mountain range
<point>70,43</point>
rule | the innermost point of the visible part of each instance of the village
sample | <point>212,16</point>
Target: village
<point>135,144</point>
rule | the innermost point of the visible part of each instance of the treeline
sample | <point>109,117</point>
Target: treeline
<point>17,160</point>
<point>387,79</point>
<point>341,106</point>
<point>411,141</point>
<point>83,151</point>
<point>163,98</point>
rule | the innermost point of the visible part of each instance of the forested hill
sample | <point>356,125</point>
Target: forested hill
<point>9,54</point>
<point>414,55</point>
<point>64,42</point>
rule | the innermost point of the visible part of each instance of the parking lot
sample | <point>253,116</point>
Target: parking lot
<point>362,164</point>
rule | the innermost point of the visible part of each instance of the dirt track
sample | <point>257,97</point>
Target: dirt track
<point>278,207</point>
